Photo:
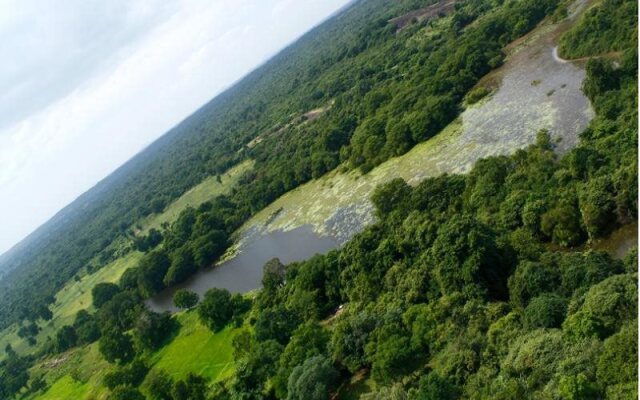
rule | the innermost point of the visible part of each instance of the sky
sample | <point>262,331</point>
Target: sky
<point>86,84</point>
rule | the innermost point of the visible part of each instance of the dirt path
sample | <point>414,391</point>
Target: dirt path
<point>557,58</point>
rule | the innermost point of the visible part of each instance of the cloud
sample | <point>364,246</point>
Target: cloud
<point>94,82</point>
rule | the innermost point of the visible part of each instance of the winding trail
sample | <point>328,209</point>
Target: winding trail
<point>557,58</point>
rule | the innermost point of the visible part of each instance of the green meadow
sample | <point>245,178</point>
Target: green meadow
<point>78,374</point>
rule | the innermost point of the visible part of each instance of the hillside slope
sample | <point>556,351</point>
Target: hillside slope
<point>478,175</point>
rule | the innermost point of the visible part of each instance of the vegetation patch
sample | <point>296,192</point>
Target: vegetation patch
<point>206,190</point>
<point>197,350</point>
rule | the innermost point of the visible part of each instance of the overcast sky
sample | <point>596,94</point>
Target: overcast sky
<point>86,84</point>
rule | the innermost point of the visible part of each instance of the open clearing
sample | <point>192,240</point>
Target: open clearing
<point>196,349</point>
<point>78,373</point>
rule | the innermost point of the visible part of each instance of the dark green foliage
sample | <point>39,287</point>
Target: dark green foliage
<point>66,338</point>
<point>126,393</point>
<point>276,324</point>
<point>545,311</point>
<point>435,387</point>
<point>349,339</point>
<point>151,240</point>
<point>193,387</point>
<point>159,384</point>
<point>103,292</point>
<point>182,266</point>
<point>116,347</point>
<point>530,280</point>
<point>14,374</point>
<point>314,379</point>
<point>131,375</point>
<point>119,312</point>
<point>391,353</point>
<point>608,26</point>
<point>185,299</point>
<point>307,341</point>
<point>618,362</point>
<point>604,308</point>
<point>253,369</point>
<point>152,329</point>
<point>465,258</point>
<point>273,275</point>
<point>216,309</point>
<point>208,247</point>
<point>86,327</point>
<point>151,271</point>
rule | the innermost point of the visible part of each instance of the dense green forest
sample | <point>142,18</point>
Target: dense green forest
<point>475,286</point>
<point>389,93</point>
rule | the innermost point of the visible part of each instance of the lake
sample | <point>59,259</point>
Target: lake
<point>243,272</point>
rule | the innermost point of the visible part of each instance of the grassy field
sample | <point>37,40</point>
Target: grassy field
<point>196,349</point>
<point>73,297</point>
<point>78,373</point>
<point>76,294</point>
<point>204,191</point>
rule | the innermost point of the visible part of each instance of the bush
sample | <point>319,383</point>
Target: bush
<point>185,299</point>
<point>314,379</point>
<point>545,311</point>
<point>476,94</point>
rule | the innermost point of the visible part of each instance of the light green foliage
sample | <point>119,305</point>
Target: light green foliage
<point>196,349</point>
<point>605,308</point>
<point>608,26</point>
<point>312,380</point>
<point>545,311</point>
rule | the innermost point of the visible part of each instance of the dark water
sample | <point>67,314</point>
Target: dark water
<point>244,272</point>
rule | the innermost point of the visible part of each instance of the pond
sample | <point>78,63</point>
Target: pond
<point>243,272</point>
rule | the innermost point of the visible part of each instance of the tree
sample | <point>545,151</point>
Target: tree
<point>103,292</point>
<point>66,338</point>
<point>119,312</point>
<point>86,327</point>
<point>314,379</point>
<point>273,275</point>
<point>126,393</point>
<point>216,309</point>
<point>308,340</point>
<point>193,387</point>
<point>116,347</point>
<point>390,196</point>
<point>14,374</point>
<point>185,299</point>
<point>530,280</point>
<point>391,354</point>
<point>209,247</point>
<point>182,266</point>
<point>131,375</point>
<point>151,329</point>
<point>152,269</point>
<point>349,339</point>
<point>277,323</point>
<point>160,384</point>
<point>545,311</point>
<point>434,387</point>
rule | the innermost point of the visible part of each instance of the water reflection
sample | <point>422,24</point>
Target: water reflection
<point>244,272</point>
